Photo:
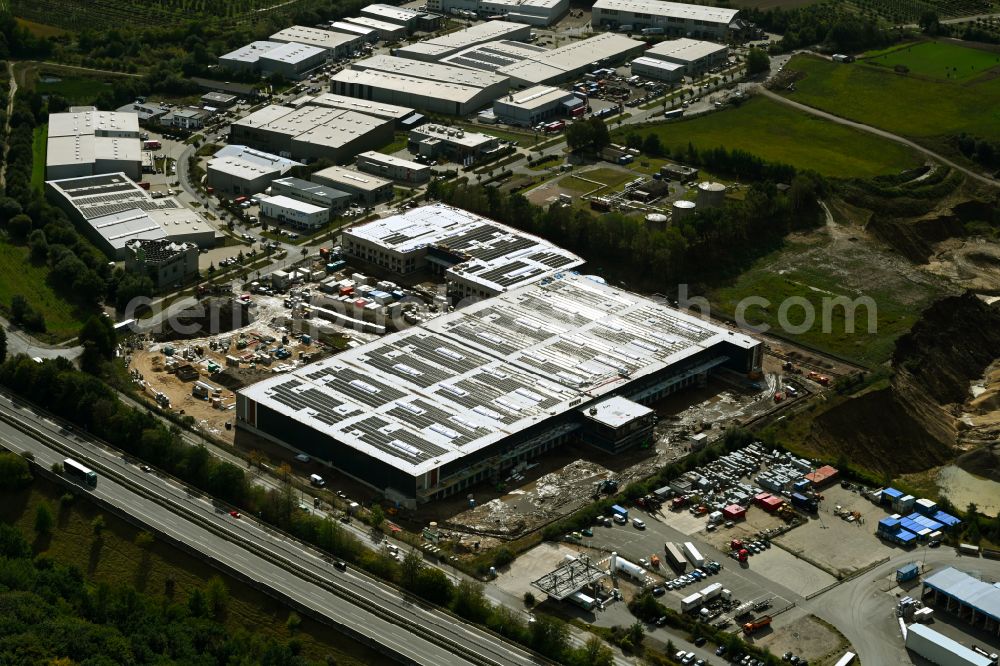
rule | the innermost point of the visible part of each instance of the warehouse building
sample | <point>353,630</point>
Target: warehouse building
<point>975,601</point>
<point>335,44</point>
<point>237,169</point>
<point>675,18</point>
<point>478,257</point>
<point>393,168</point>
<point>218,100</point>
<point>370,35</point>
<point>432,96</point>
<point>572,60</point>
<point>398,15</point>
<point>939,649</point>
<point>362,187</point>
<point>697,56</point>
<point>387,32</point>
<point>321,195</point>
<point>111,210</point>
<point>299,214</point>
<point>457,145</point>
<point>491,83</point>
<point>659,70</point>
<point>291,60</point>
<point>247,58</point>
<point>464,398</point>
<point>433,50</point>
<point>166,262</point>
<point>312,132</point>
<point>400,115</point>
<point>533,105</point>
<point>534,12</point>
<point>491,56</point>
<point>88,142</point>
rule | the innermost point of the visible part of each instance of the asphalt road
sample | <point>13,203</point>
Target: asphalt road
<point>269,559</point>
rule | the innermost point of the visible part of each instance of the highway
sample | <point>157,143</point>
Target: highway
<point>408,630</point>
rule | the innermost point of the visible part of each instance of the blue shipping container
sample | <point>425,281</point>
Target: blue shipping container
<point>620,510</point>
<point>907,573</point>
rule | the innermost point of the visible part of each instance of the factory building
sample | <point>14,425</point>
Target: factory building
<point>478,257</point>
<point>433,50</point>
<point>457,145</point>
<point>362,187</point>
<point>572,60</point>
<point>491,56</point>
<point>676,19</point>
<point>237,169</point>
<point>488,81</point>
<point>291,60</point>
<point>697,56</point>
<point>370,35</point>
<point>659,70</point>
<point>387,32</point>
<point>299,214</point>
<point>533,105</point>
<point>534,12</point>
<point>393,168</point>
<point>88,142</point>
<point>111,210</point>
<point>247,57</point>
<point>410,19</point>
<point>312,132</point>
<point>400,115</point>
<point>334,44</point>
<point>166,262</point>
<point>464,398</point>
<point>432,96</point>
<point>321,195</point>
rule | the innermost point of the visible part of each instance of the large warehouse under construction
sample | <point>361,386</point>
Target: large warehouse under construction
<point>428,412</point>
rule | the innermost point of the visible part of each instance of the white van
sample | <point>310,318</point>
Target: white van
<point>317,480</point>
<point>638,524</point>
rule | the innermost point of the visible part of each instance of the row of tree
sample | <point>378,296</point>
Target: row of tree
<point>833,25</point>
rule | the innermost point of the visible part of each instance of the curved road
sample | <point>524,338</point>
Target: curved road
<point>878,132</point>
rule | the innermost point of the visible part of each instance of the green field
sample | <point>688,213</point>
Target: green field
<point>19,276</point>
<point>78,90</point>
<point>938,60</point>
<point>780,134</point>
<point>915,107</point>
<point>38,145</point>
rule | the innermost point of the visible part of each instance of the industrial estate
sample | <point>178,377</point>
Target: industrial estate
<point>500,332</point>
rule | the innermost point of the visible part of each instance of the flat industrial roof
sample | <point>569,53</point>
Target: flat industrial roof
<point>673,9</point>
<point>689,50</point>
<point>461,39</point>
<point>293,53</point>
<point>340,131</point>
<point>535,97</point>
<point>409,85</point>
<point>392,160</point>
<point>92,121</point>
<point>352,179</point>
<point>971,591</point>
<point>658,64</point>
<point>251,53</point>
<point>454,136</point>
<point>616,411</point>
<point>573,57</point>
<point>312,188</point>
<point>430,71</point>
<point>391,13</point>
<point>491,56</point>
<point>427,396</point>
<point>369,22</point>
<point>352,28</point>
<point>326,39</point>
<point>377,109</point>
<point>292,204</point>
<point>244,162</point>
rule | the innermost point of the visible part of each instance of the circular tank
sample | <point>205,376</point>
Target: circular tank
<point>711,194</point>
<point>658,220</point>
<point>682,209</point>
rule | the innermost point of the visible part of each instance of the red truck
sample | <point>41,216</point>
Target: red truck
<point>152,144</point>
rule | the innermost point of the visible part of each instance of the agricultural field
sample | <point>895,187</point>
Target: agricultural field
<point>75,15</point>
<point>78,90</point>
<point>780,134</point>
<point>919,108</point>
<point>937,60</point>
<point>765,5</point>
<point>909,11</point>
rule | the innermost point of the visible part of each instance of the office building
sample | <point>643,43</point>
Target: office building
<point>165,261</point>
<point>697,56</point>
<point>468,396</point>
<point>393,168</point>
<point>335,44</point>
<point>321,195</point>
<point>111,210</point>
<point>572,60</point>
<point>293,212</point>
<point>363,187</point>
<point>675,18</point>
<point>240,170</point>
<point>534,105</point>
<point>433,50</point>
<point>188,118</point>
<point>88,142</point>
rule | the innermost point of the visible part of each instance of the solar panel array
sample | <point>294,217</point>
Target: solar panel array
<point>423,397</point>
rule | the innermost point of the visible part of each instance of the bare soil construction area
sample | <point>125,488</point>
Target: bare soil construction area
<point>808,637</point>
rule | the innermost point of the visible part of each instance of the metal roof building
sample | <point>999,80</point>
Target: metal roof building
<point>695,54</point>
<point>399,15</point>
<point>534,12</point>
<point>491,56</point>
<point>111,210</point>
<point>366,33</point>
<point>966,595</point>
<point>675,18</point>
<point>378,109</point>
<point>434,72</point>
<point>336,44</point>
<point>531,106</point>
<point>570,577</point>
<point>237,169</point>
<point>389,32</point>
<point>429,411</point>
<point>433,50</point>
<point>661,70</point>
<point>291,60</point>
<point>570,61</point>
<point>88,142</point>
<point>304,190</point>
<point>420,93</point>
<point>366,188</point>
<point>247,57</point>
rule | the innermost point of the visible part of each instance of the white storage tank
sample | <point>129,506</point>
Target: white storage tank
<point>682,209</point>
<point>711,194</point>
<point>656,220</point>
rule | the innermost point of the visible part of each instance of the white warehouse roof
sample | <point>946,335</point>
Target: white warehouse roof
<point>453,42</point>
<point>686,50</point>
<point>536,97</point>
<point>293,53</point>
<point>716,15</point>
<point>969,590</point>
<point>248,163</point>
<point>291,204</point>
<point>325,39</point>
<point>430,71</point>
<point>251,53</point>
<point>377,109</point>
<point>351,178</point>
<point>409,85</point>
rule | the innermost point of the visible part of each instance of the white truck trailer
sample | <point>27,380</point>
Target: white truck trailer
<point>693,554</point>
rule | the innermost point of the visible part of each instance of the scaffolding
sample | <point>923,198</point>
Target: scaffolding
<point>571,577</point>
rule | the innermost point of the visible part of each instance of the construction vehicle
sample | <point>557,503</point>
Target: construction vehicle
<point>755,625</point>
<point>822,380</point>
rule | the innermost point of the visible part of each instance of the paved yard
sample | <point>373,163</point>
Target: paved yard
<point>789,571</point>
<point>532,565</point>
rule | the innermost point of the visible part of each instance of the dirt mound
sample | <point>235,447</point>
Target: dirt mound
<point>915,239</point>
<point>911,425</point>
<point>984,462</point>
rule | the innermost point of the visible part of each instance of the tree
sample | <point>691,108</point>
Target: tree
<point>579,136</point>
<point>293,622</point>
<point>529,599</point>
<point>217,597</point>
<point>99,341</point>
<point>409,569</point>
<point>549,635</point>
<point>3,344</point>
<point>38,245</point>
<point>636,632</point>
<point>43,519</point>
<point>757,62</point>
<point>434,585</point>
<point>19,227</point>
<point>601,137</point>
<point>651,145</point>
<point>144,539</point>
<point>9,208</point>
<point>930,23</point>
<point>15,472</point>
<point>597,653</point>
<point>131,287</point>
<point>377,516</point>
<point>196,603</point>
<point>97,525</point>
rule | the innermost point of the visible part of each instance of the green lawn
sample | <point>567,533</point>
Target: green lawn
<point>907,105</point>
<point>38,145</point>
<point>938,60</point>
<point>777,133</point>
<point>76,89</point>
<point>609,177</point>
<point>19,276</point>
